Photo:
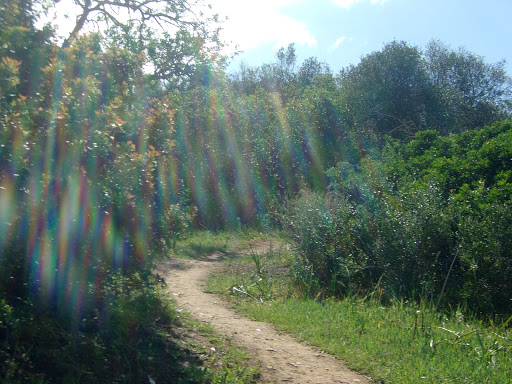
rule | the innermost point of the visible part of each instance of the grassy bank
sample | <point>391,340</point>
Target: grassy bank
<point>400,342</point>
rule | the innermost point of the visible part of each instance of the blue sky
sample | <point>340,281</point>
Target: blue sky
<point>340,32</point>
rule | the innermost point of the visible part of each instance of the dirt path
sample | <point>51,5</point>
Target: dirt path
<point>282,358</point>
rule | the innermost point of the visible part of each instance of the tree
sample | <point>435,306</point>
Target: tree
<point>23,46</point>
<point>278,76</point>
<point>287,60</point>
<point>475,93</point>
<point>310,70</point>
<point>174,35</point>
<point>137,15</point>
<point>389,92</point>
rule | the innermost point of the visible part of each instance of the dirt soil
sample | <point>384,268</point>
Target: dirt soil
<point>281,357</point>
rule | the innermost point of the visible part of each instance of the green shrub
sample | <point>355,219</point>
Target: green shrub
<point>323,265</point>
<point>433,221</point>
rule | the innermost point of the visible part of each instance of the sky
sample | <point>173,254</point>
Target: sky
<point>340,32</point>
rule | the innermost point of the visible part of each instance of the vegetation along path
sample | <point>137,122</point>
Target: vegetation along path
<point>282,358</point>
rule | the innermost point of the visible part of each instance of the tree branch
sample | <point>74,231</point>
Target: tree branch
<point>162,12</point>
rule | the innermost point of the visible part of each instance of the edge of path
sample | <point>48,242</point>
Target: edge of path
<point>282,357</point>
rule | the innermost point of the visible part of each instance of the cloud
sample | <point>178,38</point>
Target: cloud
<point>338,42</point>
<point>251,24</point>
<point>346,4</point>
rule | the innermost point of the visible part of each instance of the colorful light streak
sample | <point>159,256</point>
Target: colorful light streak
<point>98,181</point>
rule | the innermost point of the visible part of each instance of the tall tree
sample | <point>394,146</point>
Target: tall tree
<point>474,93</point>
<point>389,92</point>
<point>310,70</point>
<point>174,35</point>
<point>137,15</point>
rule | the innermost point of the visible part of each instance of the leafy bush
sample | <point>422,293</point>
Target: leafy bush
<point>114,340</point>
<point>322,263</point>
<point>471,172</point>
<point>432,221</point>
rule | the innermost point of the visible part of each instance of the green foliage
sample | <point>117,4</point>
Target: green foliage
<point>395,341</point>
<point>267,133</point>
<point>314,223</point>
<point>473,93</point>
<point>431,221</point>
<point>389,92</point>
<point>399,91</point>
<point>103,166</point>
<point>470,172</point>
<point>85,150</point>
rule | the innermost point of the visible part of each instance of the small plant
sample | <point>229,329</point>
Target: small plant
<point>177,222</point>
<point>259,263</point>
<point>257,276</point>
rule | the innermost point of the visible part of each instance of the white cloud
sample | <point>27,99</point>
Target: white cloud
<point>252,23</point>
<point>338,42</point>
<point>348,3</point>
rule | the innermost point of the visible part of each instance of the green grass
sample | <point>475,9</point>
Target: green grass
<point>402,342</point>
<point>203,243</point>
<point>395,344</point>
<point>260,277</point>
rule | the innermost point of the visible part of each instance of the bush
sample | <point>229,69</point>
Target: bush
<point>433,221</point>
<point>323,265</point>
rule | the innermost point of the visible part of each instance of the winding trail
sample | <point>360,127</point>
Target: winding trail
<point>282,358</point>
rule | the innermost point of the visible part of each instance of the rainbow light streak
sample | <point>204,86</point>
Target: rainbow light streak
<point>8,204</point>
<point>96,187</point>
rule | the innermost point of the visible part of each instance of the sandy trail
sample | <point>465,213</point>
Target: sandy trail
<point>282,358</point>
